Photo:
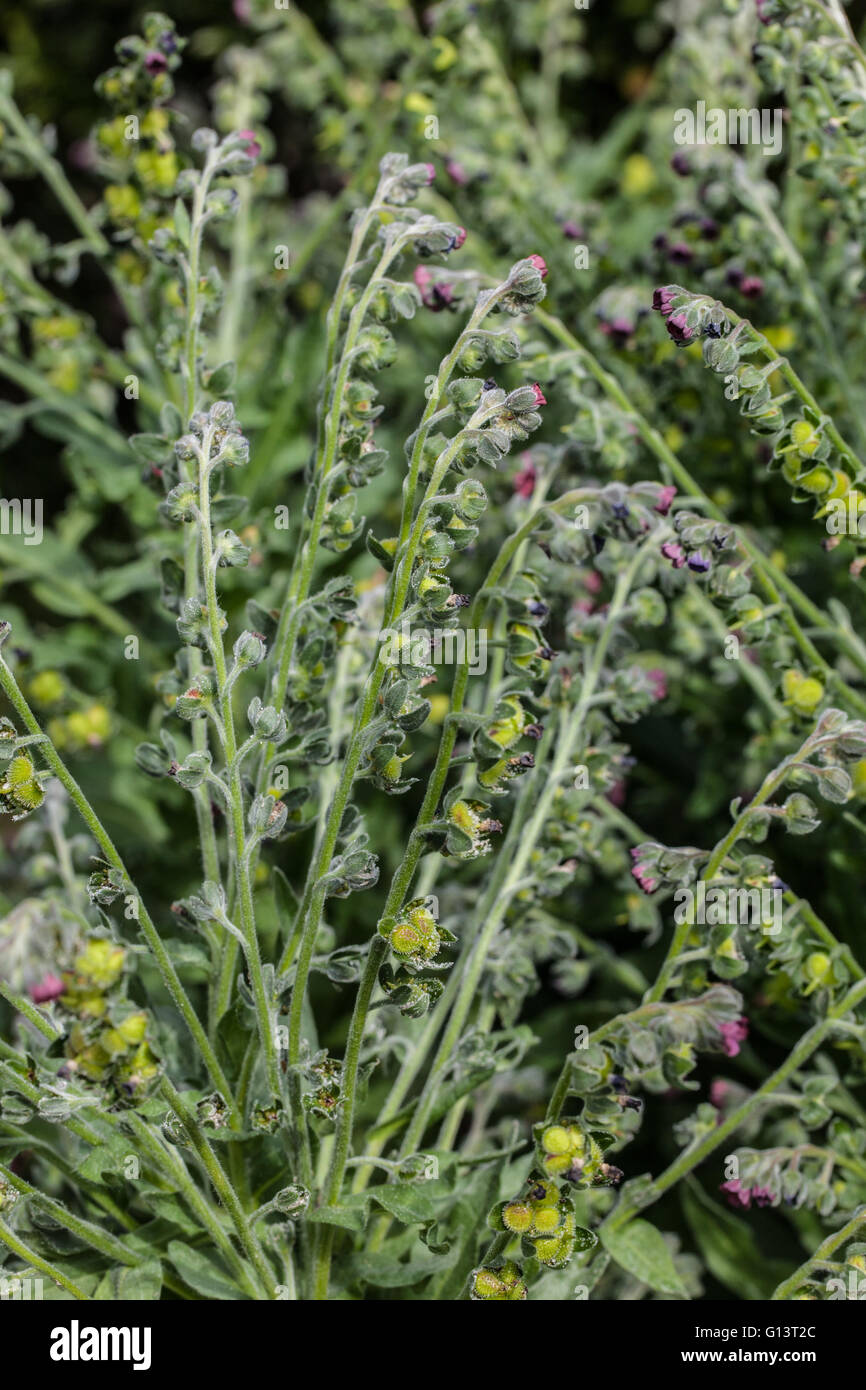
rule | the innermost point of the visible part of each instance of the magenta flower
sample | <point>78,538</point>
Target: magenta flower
<point>459,239</point>
<point>540,398</point>
<point>677,326</point>
<point>665,497</point>
<point>752,286</point>
<point>252,146</point>
<point>49,987</point>
<point>431,172</point>
<point>718,1093</point>
<point>455,171</point>
<point>663,300</point>
<point>674,553</point>
<point>572,231</point>
<point>155,62</point>
<point>737,1195</point>
<point>540,264</point>
<point>524,481</point>
<point>659,681</point>
<point>733,1034</point>
<point>642,874</point>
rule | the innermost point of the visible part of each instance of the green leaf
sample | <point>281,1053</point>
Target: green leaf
<point>728,1247</point>
<point>407,1204</point>
<point>205,1276</point>
<point>640,1250</point>
<point>140,1283</point>
<point>385,1272</point>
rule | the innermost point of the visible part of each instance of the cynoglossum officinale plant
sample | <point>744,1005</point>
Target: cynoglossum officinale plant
<point>414,664</point>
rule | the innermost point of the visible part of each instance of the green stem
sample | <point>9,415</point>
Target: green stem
<point>169,974</point>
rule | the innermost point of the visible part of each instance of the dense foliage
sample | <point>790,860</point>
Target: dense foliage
<point>433,743</point>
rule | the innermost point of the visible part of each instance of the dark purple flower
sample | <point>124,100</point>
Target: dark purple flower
<point>681,164</point>
<point>663,300</point>
<point>733,1034</point>
<point>752,286</point>
<point>737,1195</point>
<point>680,252</point>
<point>572,231</point>
<point>619,330</point>
<point>709,228</point>
<point>678,327</point>
<point>762,1197</point>
<point>699,562</point>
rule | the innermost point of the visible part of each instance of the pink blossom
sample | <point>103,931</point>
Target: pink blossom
<point>659,682</point>
<point>525,480</point>
<point>252,146</point>
<point>540,398</point>
<point>540,264</point>
<point>455,171</point>
<point>674,553</point>
<point>733,1034</point>
<point>665,497</point>
<point>431,172</point>
<point>737,1195</point>
<point>718,1093</point>
<point>49,987</point>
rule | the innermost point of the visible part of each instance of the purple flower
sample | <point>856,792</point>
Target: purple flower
<point>663,300</point>
<point>572,231</point>
<point>762,1197</point>
<point>699,562</point>
<point>733,1034</point>
<point>155,62</point>
<point>455,171</point>
<point>431,172</point>
<point>677,326</point>
<point>665,497</point>
<point>680,252</point>
<point>752,286</point>
<point>681,164</point>
<point>619,330</point>
<point>674,553</point>
<point>737,1195</point>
